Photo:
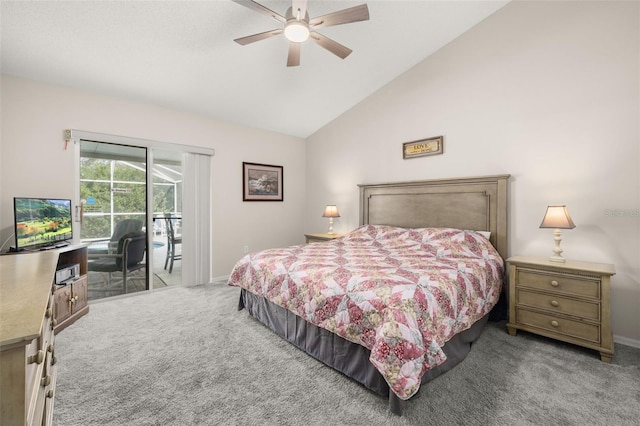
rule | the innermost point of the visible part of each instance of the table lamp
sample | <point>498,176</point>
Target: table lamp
<point>557,217</point>
<point>331,211</point>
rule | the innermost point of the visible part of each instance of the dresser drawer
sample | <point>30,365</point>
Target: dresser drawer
<point>556,303</point>
<point>558,325</point>
<point>33,368</point>
<point>559,283</point>
<point>46,334</point>
<point>44,406</point>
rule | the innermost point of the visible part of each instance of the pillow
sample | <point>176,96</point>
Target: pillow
<point>486,234</point>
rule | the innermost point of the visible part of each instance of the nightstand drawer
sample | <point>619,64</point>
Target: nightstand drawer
<point>569,328</point>
<point>560,283</point>
<point>555,303</point>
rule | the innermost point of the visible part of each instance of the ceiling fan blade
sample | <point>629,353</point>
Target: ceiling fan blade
<point>299,4</point>
<point>293,60</point>
<point>257,37</point>
<point>261,9</point>
<point>345,16</point>
<point>331,45</point>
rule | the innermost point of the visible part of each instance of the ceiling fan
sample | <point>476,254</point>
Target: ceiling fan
<point>298,27</point>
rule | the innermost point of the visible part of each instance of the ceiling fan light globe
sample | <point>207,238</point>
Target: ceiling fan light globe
<point>296,32</point>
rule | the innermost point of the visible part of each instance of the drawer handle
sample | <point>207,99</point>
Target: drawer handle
<point>555,303</point>
<point>38,357</point>
<point>52,349</point>
<point>48,313</point>
<point>554,323</point>
<point>554,283</point>
<point>50,394</point>
<point>45,381</point>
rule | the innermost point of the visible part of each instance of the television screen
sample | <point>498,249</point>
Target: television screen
<point>41,222</point>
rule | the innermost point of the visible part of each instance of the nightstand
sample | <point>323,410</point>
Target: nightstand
<point>316,238</point>
<point>565,301</point>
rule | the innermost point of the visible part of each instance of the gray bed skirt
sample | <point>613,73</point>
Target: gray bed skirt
<point>344,356</point>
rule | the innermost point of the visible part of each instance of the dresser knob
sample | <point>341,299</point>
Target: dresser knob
<point>554,283</point>
<point>38,357</point>
<point>554,323</point>
<point>47,313</point>
<point>50,394</point>
<point>45,381</point>
<point>555,303</point>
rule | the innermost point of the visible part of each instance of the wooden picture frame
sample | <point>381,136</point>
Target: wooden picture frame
<point>423,147</point>
<point>262,182</point>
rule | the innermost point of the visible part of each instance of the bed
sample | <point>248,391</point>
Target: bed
<point>398,301</point>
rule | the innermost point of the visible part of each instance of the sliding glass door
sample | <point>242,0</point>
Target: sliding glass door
<point>136,198</point>
<point>113,192</point>
<point>117,183</point>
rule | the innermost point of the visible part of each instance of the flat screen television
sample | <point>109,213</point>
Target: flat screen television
<point>42,222</point>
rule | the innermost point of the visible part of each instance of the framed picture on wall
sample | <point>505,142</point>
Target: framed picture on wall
<point>261,182</point>
<point>423,147</point>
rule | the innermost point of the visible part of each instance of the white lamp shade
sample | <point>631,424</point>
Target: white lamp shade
<point>331,211</point>
<point>557,217</point>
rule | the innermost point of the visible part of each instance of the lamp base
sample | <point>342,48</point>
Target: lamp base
<point>330,226</point>
<point>557,257</point>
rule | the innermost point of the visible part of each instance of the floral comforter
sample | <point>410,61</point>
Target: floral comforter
<point>402,293</point>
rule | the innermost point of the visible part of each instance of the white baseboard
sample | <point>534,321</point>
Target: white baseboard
<point>223,278</point>
<point>626,341</point>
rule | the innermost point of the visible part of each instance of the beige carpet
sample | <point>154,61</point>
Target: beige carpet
<point>186,356</point>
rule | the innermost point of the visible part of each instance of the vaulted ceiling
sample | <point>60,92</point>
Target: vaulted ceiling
<point>181,54</point>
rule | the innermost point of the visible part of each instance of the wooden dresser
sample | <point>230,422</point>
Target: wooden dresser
<point>565,301</point>
<point>27,340</point>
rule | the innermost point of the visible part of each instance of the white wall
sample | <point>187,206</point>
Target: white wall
<point>34,162</point>
<point>548,92</point>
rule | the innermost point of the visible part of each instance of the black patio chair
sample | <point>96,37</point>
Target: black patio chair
<point>128,258</point>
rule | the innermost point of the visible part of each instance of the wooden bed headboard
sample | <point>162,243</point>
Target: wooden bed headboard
<point>476,203</point>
